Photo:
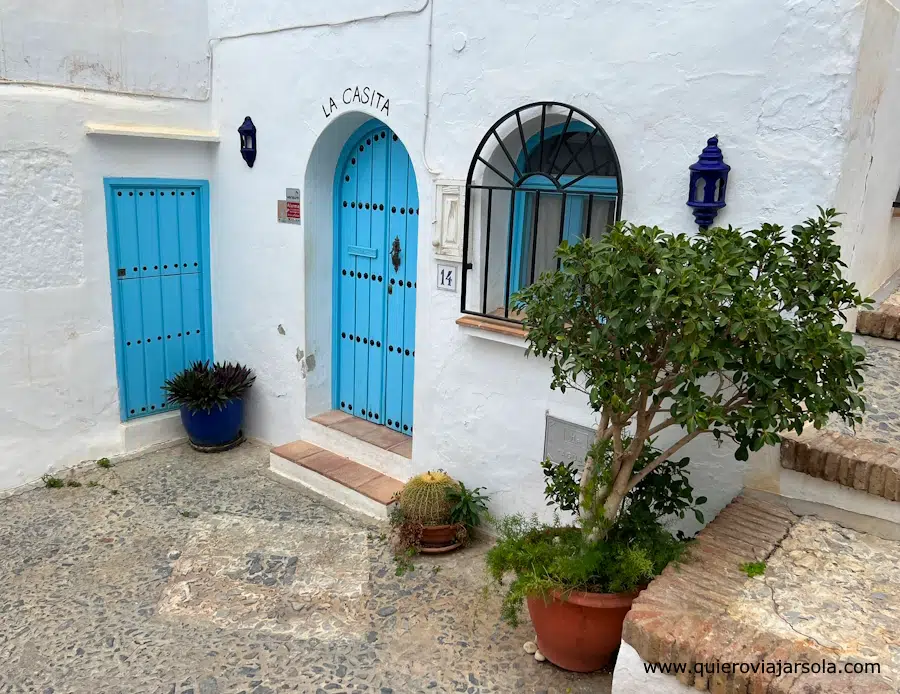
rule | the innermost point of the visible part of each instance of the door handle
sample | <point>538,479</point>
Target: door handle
<point>395,254</point>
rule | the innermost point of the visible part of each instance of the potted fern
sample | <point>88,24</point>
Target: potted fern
<point>211,398</point>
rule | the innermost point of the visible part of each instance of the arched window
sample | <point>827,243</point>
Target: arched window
<point>543,174</point>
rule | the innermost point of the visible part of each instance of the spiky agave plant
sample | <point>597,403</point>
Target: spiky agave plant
<point>202,387</point>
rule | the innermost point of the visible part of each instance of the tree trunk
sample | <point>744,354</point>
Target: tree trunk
<point>591,497</point>
<point>613,503</point>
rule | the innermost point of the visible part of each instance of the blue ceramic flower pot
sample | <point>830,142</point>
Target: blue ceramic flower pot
<point>216,427</point>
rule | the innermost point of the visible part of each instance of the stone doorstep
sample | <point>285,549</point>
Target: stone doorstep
<point>358,478</point>
<point>680,619</point>
<point>851,462</point>
<point>375,434</point>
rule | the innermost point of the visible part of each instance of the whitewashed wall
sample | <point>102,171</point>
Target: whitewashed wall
<point>871,174</point>
<point>773,79</point>
<point>150,47</point>
<point>58,392</point>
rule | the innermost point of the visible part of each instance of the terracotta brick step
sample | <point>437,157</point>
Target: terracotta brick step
<point>340,479</point>
<point>704,611</point>
<point>846,460</point>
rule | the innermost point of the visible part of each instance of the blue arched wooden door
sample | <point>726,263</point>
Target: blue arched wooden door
<point>376,234</point>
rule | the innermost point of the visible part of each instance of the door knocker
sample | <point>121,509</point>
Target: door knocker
<point>395,254</point>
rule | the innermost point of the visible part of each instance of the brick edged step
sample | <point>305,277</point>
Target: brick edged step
<point>340,479</point>
<point>852,462</point>
<point>690,614</point>
<point>882,321</point>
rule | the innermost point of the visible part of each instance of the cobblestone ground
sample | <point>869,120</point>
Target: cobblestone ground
<point>184,573</point>
<point>836,586</point>
<point>881,421</point>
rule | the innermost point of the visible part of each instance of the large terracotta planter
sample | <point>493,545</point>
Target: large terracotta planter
<point>438,538</point>
<point>580,631</point>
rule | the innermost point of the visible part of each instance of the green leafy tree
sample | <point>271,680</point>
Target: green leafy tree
<point>736,334</point>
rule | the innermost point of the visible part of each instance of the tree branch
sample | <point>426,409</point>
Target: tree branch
<point>604,425</point>
<point>659,427</point>
<point>665,455</point>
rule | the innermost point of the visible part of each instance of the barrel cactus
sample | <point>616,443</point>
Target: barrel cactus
<point>424,498</point>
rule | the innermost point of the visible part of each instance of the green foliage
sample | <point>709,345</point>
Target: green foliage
<point>756,308</point>
<point>546,559</point>
<point>104,463</point>
<point>739,334</point>
<point>52,482</point>
<point>753,568</point>
<point>468,505</point>
<point>561,485</point>
<point>665,492</point>
<point>202,386</point>
<point>424,499</point>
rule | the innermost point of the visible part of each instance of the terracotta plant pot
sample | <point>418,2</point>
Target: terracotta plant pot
<point>438,538</point>
<point>580,631</point>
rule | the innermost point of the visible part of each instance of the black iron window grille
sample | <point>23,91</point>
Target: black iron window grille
<point>543,174</point>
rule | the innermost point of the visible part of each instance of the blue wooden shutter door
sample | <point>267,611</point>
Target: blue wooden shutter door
<point>377,208</point>
<point>159,257</point>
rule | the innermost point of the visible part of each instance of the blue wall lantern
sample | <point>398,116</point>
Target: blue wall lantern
<point>247,131</point>
<point>709,177</point>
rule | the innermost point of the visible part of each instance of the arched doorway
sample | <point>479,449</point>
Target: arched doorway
<point>376,219</point>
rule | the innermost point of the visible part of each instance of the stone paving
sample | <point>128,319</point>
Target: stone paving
<point>881,421</point>
<point>827,595</point>
<point>184,573</point>
<point>836,586</point>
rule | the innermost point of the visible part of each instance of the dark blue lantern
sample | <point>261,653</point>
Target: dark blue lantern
<point>709,176</point>
<point>247,131</point>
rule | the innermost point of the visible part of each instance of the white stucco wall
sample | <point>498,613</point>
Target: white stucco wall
<point>58,392</point>
<point>773,79</point>
<point>157,47</point>
<point>871,172</point>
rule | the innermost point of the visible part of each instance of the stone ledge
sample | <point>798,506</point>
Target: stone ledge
<point>683,615</point>
<point>883,321</point>
<point>851,462</point>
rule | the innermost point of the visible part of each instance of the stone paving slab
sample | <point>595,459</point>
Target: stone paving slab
<point>184,581</point>
<point>706,610</point>
<point>838,587</point>
<point>246,573</point>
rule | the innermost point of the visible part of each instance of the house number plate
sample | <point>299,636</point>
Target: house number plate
<point>446,277</point>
